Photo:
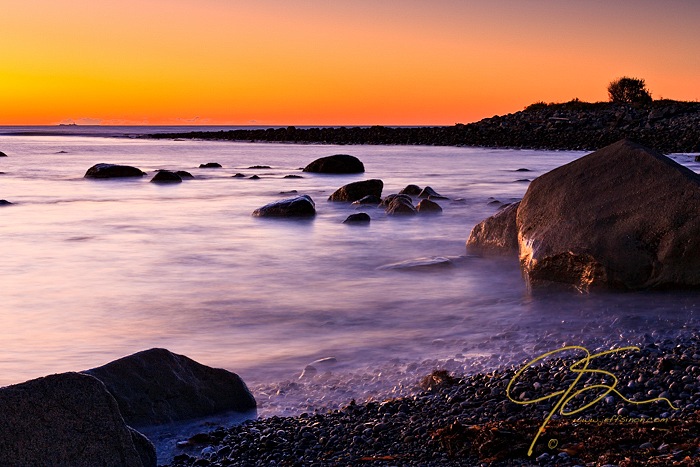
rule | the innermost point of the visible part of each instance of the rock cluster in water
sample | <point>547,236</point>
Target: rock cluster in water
<point>624,216</point>
<point>666,125</point>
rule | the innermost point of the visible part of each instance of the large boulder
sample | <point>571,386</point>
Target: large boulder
<point>113,171</point>
<point>497,234</point>
<point>156,386</point>
<point>337,164</point>
<point>357,190</point>
<point>67,419</point>
<point>624,216</point>
<point>299,206</point>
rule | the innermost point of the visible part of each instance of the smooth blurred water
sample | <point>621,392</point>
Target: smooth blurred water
<point>97,269</point>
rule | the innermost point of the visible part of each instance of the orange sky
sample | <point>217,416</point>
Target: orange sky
<point>327,62</point>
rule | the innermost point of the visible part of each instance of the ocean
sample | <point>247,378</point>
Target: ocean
<point>94,270</point>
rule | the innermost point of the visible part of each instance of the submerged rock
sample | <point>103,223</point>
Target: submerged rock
<point>428,192</point>
<point>411,190</point>
<point>300,206</point>
<point>400,206</point>
<point>427,206</point>
<point>113,171</point>
<point>67,419</point>
<point>358,190</point>
<point>359,218</point>
<point>496,234</point>
<point>157,386</point>
<point>210,165</point>
<point>184,174</point>
<point>166,176</point>
<point>336,164</point>
<point>624,216</point>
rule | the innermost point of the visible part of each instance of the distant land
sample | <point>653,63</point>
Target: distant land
<point>665,125</point>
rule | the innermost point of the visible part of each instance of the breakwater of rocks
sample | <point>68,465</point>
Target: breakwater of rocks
<point>491,419</point>
<point>665,125</point>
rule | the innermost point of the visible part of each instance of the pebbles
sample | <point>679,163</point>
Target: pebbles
<point>469,421</point>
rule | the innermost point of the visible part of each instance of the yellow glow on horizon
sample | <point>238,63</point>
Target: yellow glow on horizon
<point>330,63</point>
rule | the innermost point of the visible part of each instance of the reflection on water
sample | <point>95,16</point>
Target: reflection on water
<point>94,270</point>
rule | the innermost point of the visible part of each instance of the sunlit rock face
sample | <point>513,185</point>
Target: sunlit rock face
<point>624,216</point>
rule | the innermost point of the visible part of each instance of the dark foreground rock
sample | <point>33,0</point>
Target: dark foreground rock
<point>166,176</point>
<point>113,171</point>
<point>469,421</point>
<point>157,387</point>
<point>358,190</point>
<point>337,164</point>
<point>496,234</point>
<point>624,216</point>
<point>299,206</point>
<point>67,419</point>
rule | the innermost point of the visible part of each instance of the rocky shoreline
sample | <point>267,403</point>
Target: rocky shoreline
<point>665,125</point>
<point>479,420</point>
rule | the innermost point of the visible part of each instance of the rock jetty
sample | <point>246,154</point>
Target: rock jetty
<point>666,125</point>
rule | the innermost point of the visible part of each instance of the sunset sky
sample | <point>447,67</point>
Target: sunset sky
<point>359,62</point>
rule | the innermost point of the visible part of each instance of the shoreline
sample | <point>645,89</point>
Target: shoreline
<point>479,420</point>
<point>667,126</point>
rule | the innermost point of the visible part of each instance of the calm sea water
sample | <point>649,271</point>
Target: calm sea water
<point>95,270</point>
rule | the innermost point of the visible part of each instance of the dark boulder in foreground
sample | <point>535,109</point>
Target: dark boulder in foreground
<point>166,176</point>
<point>210,165</point>
<point>300,206</point>
<point>157,386</point>
<point>337,164</point>
<point>624,216</point>
<point>113,171</point>
<point>67,419</point>
<point>426,206</point>
<point>357,190</point>
<point>498,233</point>
<point>359,218</point>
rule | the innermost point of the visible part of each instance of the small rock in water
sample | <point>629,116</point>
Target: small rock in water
<point>254,177</point>
<point>2,154</point>
<point>293,176</point>
<point>113,171</point>
<point>4,202</point>
<point>259,167</point>
<point>238,175</point>
<point>359,218</point>
<point>411,190</point>
<point>426,206</point>
<point>165,176</point>
<point>210,165</point>
<point>429,192</point>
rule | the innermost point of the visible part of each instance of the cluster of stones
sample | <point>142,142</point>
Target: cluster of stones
<point>668,126</point>
<point>624,217</point>
<point>360,193</point>
<point>472,420</point>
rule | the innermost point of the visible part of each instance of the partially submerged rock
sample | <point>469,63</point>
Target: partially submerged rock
<point>336,164</point>
<point>166,176</point>
<point>184,174</point>
<point>624,216</point>
<point>2,154</point>
<point>428,192</point>
<point>358,190</point>
<point>157,386</point>
<point>4,202</point>
<point>67,419</point>
<point>358,218</point>
<point>401,205</point>
<point>210,165</point>
<point>113,171</point>
<point>498,233</point>
<point>427,206</point>
<point>299,206</point>
<point>411,190</point>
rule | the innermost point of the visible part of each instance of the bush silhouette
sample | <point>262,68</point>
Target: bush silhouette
<point>629,91</point>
